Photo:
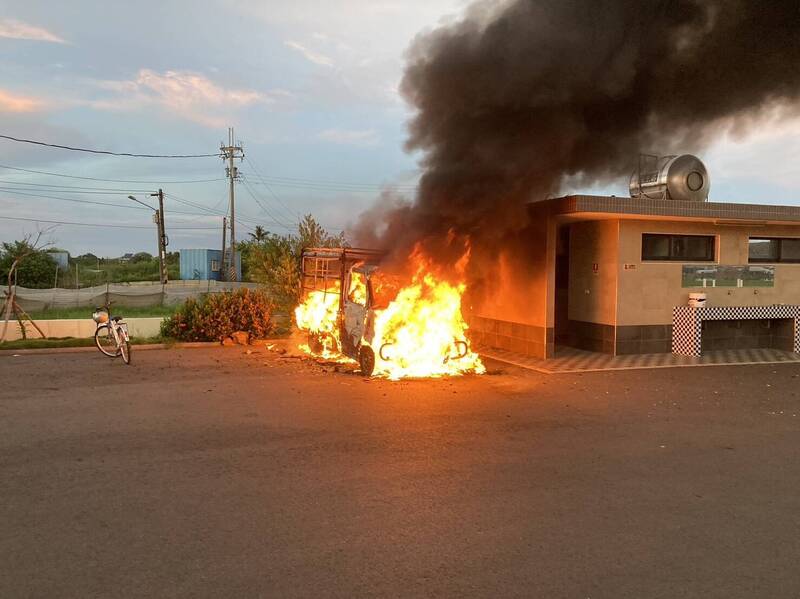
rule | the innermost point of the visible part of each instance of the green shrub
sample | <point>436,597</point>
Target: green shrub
<point>218,315</point>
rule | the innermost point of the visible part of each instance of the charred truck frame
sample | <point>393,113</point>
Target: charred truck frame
<point>335,271</point>
<point>362,290</point>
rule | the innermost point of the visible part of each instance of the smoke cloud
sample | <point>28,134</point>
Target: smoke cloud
<point>518,99</point>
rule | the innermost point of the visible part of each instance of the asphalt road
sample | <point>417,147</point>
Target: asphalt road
<point>216,473</point>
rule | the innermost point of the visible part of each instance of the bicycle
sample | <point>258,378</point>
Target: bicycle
<point>111,336</point>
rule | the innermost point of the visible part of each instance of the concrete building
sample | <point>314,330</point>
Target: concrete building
<point>614,274</point>
<point>205,265</point>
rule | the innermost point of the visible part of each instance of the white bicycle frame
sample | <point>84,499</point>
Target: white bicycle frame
<point>117,328</point>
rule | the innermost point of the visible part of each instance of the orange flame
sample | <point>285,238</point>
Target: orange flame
<point>419,332</point>
<point>423,334</point>
<point>317,315</point>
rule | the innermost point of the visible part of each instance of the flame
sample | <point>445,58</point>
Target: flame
<point>317,315</point>
<point>417,330</point>
<point>422,333</point>
<point>358,289</point>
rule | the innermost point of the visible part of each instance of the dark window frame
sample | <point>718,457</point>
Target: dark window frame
<point>780,259</point>
<point>710,256</point>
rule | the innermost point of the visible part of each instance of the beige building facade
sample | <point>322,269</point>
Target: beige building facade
<point>609,272</point>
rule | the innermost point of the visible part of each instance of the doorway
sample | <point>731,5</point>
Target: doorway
<point>562,333</point>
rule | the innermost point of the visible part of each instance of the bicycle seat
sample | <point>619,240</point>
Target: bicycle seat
<point>116,318</point>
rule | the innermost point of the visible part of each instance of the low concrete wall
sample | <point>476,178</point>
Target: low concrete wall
<point>81,327</point>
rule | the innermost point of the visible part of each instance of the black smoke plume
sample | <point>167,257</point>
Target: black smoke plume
<point>517,99</point>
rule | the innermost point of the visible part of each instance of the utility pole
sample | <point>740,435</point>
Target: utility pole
<point>163,241</point>
<point>222,262</point>
<point>229,153</point>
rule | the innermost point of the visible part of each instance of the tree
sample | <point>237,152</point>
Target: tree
<point>311,234</point>
<point>34,268</point>
<point>141,257</point>
<point>24,257</point>
<point>275,261</point>
<point>259,234</point>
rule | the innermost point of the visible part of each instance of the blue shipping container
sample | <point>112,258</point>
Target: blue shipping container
<point>205,265</point>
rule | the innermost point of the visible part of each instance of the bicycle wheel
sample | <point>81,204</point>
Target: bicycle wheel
<point>125,350</point>
<point>105,342</point>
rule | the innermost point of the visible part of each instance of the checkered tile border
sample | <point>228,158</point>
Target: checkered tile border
<point>687,323</point>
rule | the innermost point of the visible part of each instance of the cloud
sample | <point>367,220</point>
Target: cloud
<point>310,55</point>
<point>184,93</point>
<point>749,164</point>
<point>351,137</point>
<point>18,30</point>
<point>13,103</point>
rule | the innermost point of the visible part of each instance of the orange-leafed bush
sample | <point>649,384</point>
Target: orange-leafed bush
<point>218,315</point>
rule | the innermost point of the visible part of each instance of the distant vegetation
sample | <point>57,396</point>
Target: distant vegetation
<point>37,270</point>
<point>270,259</point>
<point>92,270</point>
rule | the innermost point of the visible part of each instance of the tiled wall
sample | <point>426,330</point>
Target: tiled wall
<point>591,336</point>
<point>746,334</point>
<point>512,336</point>
<point>644,339</point>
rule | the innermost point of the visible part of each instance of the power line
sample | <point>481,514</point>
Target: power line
<point>82,189</point>
<point>341,189</point>
<point>264,208</point>
<point>300,182</point>
<point>34,195</point>
<point>50,197</point>
<point>209,211</point>
<point>27,170</point>
<point>105,225</point>
<point>128,154</point>
<point>258,174</point>
<point>199,216</point>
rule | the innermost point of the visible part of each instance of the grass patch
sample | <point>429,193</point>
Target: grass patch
<point>86,313</point>
<point>75,342</point>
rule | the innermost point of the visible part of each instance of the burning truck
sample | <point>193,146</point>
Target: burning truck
<point>394,326</point>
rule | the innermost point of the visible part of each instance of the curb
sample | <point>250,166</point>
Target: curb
<point>92,348</point>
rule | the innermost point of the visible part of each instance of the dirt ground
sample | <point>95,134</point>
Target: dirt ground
<point>214,472</point>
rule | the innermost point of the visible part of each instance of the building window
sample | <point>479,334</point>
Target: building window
<point>215,266</point>
<point>678,248</point>
<point>774,249</point>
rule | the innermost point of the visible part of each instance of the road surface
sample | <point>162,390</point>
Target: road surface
<point>218,473</point>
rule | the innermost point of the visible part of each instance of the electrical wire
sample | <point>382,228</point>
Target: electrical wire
<point>106,152</point>
<point>207,209</point>
<point>80,187</point>
<point>274,195</point>
<point>329,189</point>
<point>321,184</point>
<point>50,197</point>
<point>27,170</point>
<point>107,225</point>
<point>59,190</point>
<point>83,201</point>
<point>264,208</point>
<point>329,183</point>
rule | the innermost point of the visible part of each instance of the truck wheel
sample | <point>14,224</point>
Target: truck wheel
<point>366,360</point>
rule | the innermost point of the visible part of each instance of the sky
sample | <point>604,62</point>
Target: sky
<point>309,86</point>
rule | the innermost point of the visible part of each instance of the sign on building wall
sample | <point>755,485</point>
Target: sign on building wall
<point>711,275</point>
